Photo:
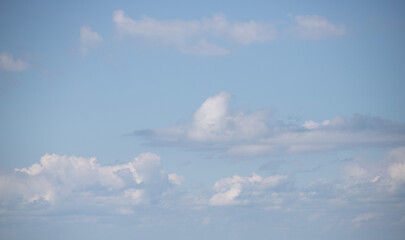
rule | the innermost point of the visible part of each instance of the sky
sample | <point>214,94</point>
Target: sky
<point>202,120</point>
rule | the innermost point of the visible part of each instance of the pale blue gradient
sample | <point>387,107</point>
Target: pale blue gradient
<point>90,105</point>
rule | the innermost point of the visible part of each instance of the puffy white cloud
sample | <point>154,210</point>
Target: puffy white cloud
<point>59,180</point>
<point>192,36</point>
<point>316,27</point>
<point>8,63</point>
<point>214,122</point>
<point>242,190</point>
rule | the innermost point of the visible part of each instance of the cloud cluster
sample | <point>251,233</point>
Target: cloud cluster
<point>215,126</point>
<point>360,194</point>
<point>69,185</point>
<point>58,181</point>
<point>8,63</point>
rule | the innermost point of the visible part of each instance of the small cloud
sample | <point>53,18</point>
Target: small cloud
<point>239,190</point>
<point>175,179</point>
<point>8,63</point>
<point>314,125</point>
<point>317,27</point>
<point>88,38</point>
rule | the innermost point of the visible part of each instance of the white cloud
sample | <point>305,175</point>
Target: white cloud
<point>8,63</point>
<point>364,217</point>
<point>214,122</point>
<point>385,177</point>
<point>192,36</point>
<point>175,179</point>
<point>242,190</point>
<point>63,180</point>
<point>215,126</point>
<point>396,170</point>
<point>314,125</point>
<point>316,27</point>
<point>88,38</point>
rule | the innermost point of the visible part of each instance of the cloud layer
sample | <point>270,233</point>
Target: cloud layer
<point>62,186</point>
<point>194,36</point>
<point>215,126</point>
<point>212,36</point>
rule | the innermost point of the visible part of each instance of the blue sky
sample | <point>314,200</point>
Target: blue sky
<point>202,120</point>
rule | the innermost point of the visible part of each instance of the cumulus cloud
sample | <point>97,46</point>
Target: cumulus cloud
<point>57,181</point>
<point>194,36</point>
<point>89,38</point>
<point>8,63</point>
<point>215,126</point>
<point>242,190</point>
<point>317,27</point>
<point>214,122</point>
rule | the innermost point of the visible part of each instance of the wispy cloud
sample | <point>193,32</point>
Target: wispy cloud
<point>194,36</point>
<point>8,63</point>
<point>213,36</point>
<point>215,126</point>
<point>364,217</point>
<point>88,38</point>
<point>317,27</point>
